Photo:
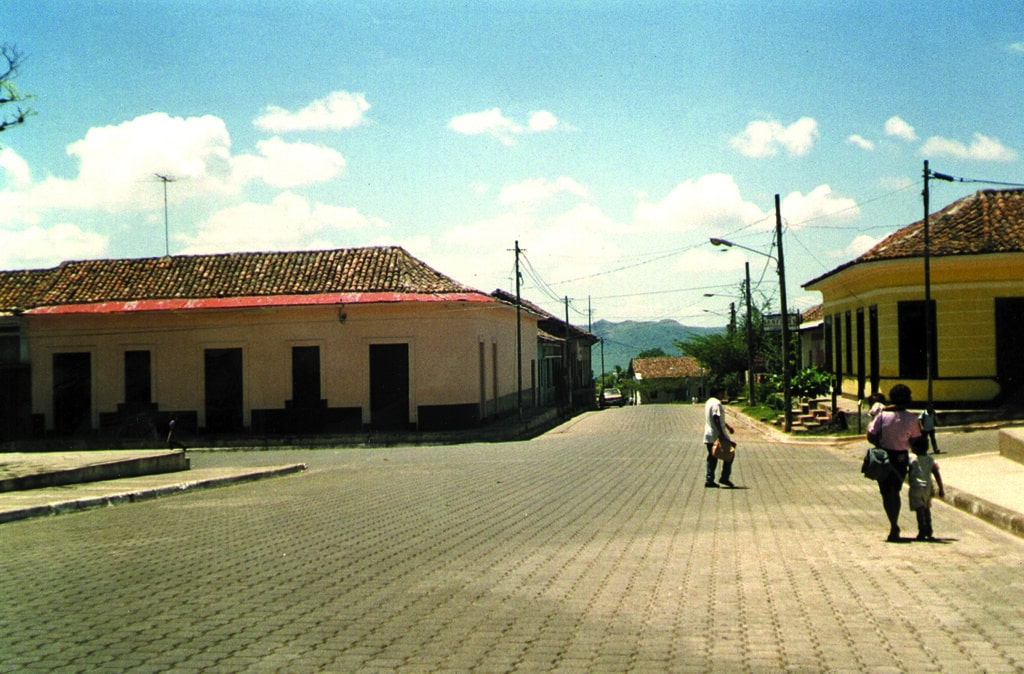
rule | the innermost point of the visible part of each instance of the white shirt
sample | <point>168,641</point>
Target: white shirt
<point>714,408</point>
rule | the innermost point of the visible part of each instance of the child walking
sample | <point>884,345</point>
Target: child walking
<point>922,468</point>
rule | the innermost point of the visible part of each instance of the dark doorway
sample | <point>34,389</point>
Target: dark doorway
<point>138,376</point>
<point>223,377</point>
<point>72,393</point>
<point>306,376</point>
<point>1009,337</point>
<point>389,386</point>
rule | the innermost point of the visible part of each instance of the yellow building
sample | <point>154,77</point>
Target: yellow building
<point>297,342</point>
<point>874,307</point>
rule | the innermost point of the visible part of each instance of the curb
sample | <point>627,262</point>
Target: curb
<point>995,515</point>
<point>146,494</point>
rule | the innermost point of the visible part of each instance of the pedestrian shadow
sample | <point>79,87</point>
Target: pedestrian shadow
<point>736,488</point>
<point>933,541</point>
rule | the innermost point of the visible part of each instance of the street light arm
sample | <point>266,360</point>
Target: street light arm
<point>729,244</point>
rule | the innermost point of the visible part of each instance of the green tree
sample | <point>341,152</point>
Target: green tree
<point>10,95</point>
<point>656,352</point>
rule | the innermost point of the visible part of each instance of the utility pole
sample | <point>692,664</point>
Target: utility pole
<point>167,236</point>
<point>568,374</point>
<point>519,335</point>
<point>752,398</point>
<point>787,398</point>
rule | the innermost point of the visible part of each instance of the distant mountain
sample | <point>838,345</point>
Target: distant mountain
<point>626,340</point>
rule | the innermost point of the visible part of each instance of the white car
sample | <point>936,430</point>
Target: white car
<point>612,396</point>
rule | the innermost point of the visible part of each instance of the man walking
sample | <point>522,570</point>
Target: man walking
<point>716,428</point>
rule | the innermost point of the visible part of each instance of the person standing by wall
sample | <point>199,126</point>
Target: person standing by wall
<point>716,428</point>
<point>893,430</point>
<point>928,427</point>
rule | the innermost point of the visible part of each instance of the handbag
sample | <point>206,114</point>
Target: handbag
<point>723,451</point>
<point>876,464</point>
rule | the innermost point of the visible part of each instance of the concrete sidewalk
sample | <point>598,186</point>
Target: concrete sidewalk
<point>75,487</point>
<point>987,482</point>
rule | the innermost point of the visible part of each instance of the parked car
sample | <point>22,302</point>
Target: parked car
<point>611,397</point>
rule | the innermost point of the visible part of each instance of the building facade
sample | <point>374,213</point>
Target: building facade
<point>877,325</point>
<point>302,342</point>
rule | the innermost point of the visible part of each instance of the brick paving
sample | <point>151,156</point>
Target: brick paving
<point>592,548</point>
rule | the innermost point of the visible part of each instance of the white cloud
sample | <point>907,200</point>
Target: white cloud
<point>711,201</point>
<point>1017,47</point>
<point>494,123</point>
<point>861,244</point>
<point>542,120</point>
<point>861,142</point>
<point>821,202</point>
<point>289,222</point>
<point>15,168</point>
<point>338,110</point>
<point>490,122</point>
<point>763,138</point>
<point>533,191</point>
<point>36,247</point>
<point>114,160</point>
<point>119,164</point>
<point>285,165</point>
<point>898,128</point>
<point>982,148</point>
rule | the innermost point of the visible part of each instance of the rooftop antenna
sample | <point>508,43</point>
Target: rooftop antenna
<point>167,238</point>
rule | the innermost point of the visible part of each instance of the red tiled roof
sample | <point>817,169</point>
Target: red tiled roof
<point>666,367</point>
<point>549,323</point>
<point>988,221</point>
<point>354,272</point>
<point>815,313</point>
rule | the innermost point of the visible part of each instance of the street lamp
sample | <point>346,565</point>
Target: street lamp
<point>787,399</point>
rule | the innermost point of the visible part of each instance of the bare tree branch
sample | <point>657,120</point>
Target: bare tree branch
<point>11,59</point>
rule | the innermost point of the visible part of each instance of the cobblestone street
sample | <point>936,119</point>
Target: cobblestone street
<point>595,547</point>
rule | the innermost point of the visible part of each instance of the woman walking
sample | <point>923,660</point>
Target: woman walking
<point>894,429</point>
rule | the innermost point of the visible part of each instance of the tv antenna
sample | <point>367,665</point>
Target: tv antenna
<point>167,237</point>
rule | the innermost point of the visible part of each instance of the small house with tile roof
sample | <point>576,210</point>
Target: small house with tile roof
<point>874,307</point>
<point>666,379</point>
<point>288,342</point>
<point>812,337</point>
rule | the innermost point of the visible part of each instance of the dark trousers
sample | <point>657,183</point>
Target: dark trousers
<point>890,486</point>
<point>713,465</point>
<point>924,522</point>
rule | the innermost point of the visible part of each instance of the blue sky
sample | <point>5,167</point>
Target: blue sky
<point>611,139</point>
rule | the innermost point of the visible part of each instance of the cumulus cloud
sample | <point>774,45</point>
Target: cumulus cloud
<point>861,142</point>
<point>536,190</point>
<point>286,165</point>
<point>982,148</point>
<point>15,168</point>
<point>113,160</point>
<point>496,124</point>
<point>338,110</point>
<point>898,128</point>
<point>289,222</point>
<point>709,201</point>
<point>820,203</point>
<point>764,138</point>
<point>861,244</point>
<point>36,247</point>
<point>118,165</point>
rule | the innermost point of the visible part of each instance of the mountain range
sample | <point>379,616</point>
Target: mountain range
<point>625,340</point>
